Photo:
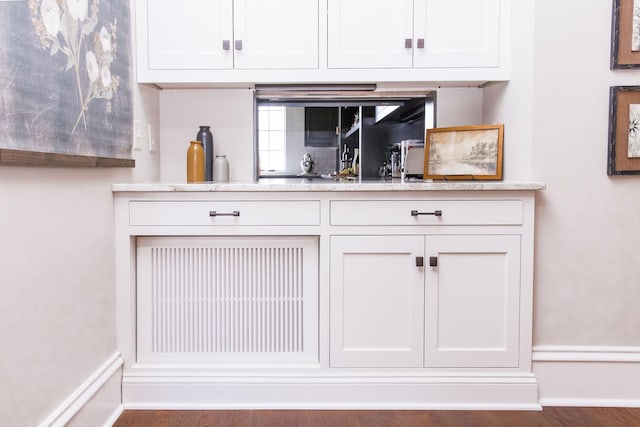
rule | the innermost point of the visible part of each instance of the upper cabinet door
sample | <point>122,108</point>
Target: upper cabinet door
<point>457,33</point>
<point>370,33</point>
<point>276,34</point>
<point>190,34</point>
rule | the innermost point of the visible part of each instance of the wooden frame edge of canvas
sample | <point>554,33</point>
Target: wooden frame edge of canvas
<point>10,157</point>
<point>498,174</point>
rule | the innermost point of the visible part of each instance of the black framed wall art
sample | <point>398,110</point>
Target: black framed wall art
<point>624,131</point>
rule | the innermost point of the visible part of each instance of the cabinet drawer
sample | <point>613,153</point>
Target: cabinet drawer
<point>426,212</point>
<point>227,213</point>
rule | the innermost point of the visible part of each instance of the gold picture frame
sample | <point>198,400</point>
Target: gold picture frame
<point>464,153</point>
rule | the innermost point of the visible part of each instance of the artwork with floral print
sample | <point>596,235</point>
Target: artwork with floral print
<point>64,77</point>
<point>635,27</point>
<point>634,131</point>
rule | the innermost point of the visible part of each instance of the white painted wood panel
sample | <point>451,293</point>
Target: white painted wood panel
<point>369,33</point>
<point>472,301</point>
<point>189,35</point>
<point>276,34</point>
<point>261,212</point>
<point>457,33</point>
<point>454,212</point>
<point>377,301</point>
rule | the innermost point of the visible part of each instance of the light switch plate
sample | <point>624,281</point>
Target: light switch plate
<point>137,137</point>
<point>153,144</point>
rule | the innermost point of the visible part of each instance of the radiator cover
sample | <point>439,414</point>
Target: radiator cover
<point>227,300</point>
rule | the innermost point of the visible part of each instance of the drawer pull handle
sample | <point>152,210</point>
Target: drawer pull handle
<point>434,213</point>
<point>214,213</point>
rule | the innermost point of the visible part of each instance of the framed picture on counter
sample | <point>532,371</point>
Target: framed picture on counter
<point>625,34</point>
<point>624,131</point>
<point>464,153</point>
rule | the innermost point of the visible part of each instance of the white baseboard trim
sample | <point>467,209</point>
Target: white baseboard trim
<point>603,376</point>
<point>585,354</point>
<point>591,403</point>
<point>185,392</point>
<point>114,416</point>
<point>74,403</point>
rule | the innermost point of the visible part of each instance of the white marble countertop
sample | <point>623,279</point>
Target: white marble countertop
<point>295,184</point>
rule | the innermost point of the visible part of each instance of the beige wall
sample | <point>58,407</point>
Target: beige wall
<point>587,287</point>
<point>57,310</point>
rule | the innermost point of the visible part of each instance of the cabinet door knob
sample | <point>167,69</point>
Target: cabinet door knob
<point>434,213</point>
<point>420,43</point>
<point>407,43</point>
<point>238,44</point>
<point>433,261</point>
<point>419,261</point>
<point>226,44</point>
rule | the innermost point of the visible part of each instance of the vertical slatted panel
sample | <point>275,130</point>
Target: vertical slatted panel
<point>226,300</point>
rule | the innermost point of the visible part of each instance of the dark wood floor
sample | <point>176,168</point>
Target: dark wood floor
<point>550,416</point>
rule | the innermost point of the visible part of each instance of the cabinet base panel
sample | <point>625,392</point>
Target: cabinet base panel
<point>491,393</point>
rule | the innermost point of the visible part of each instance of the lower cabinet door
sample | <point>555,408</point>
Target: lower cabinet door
<point>227,300</point>
<point>376,301</point>
<point>472,301</point>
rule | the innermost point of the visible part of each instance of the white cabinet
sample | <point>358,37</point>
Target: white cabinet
<point>452,304</point>
<point>276,34</point>
<point>413,33</point>
<point>424,292</point>
<point>358,295</point>
<point>457,33</point>
<point>377,301</point>
<point>186,34</point>
<point>369,34</point>
<point>472,301</point>
<point>218,283</point>
<point>227,34</point>
<point>200,42</point>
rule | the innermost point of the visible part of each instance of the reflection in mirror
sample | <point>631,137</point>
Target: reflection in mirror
<point>271,133</point>
<point>340,136</point>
